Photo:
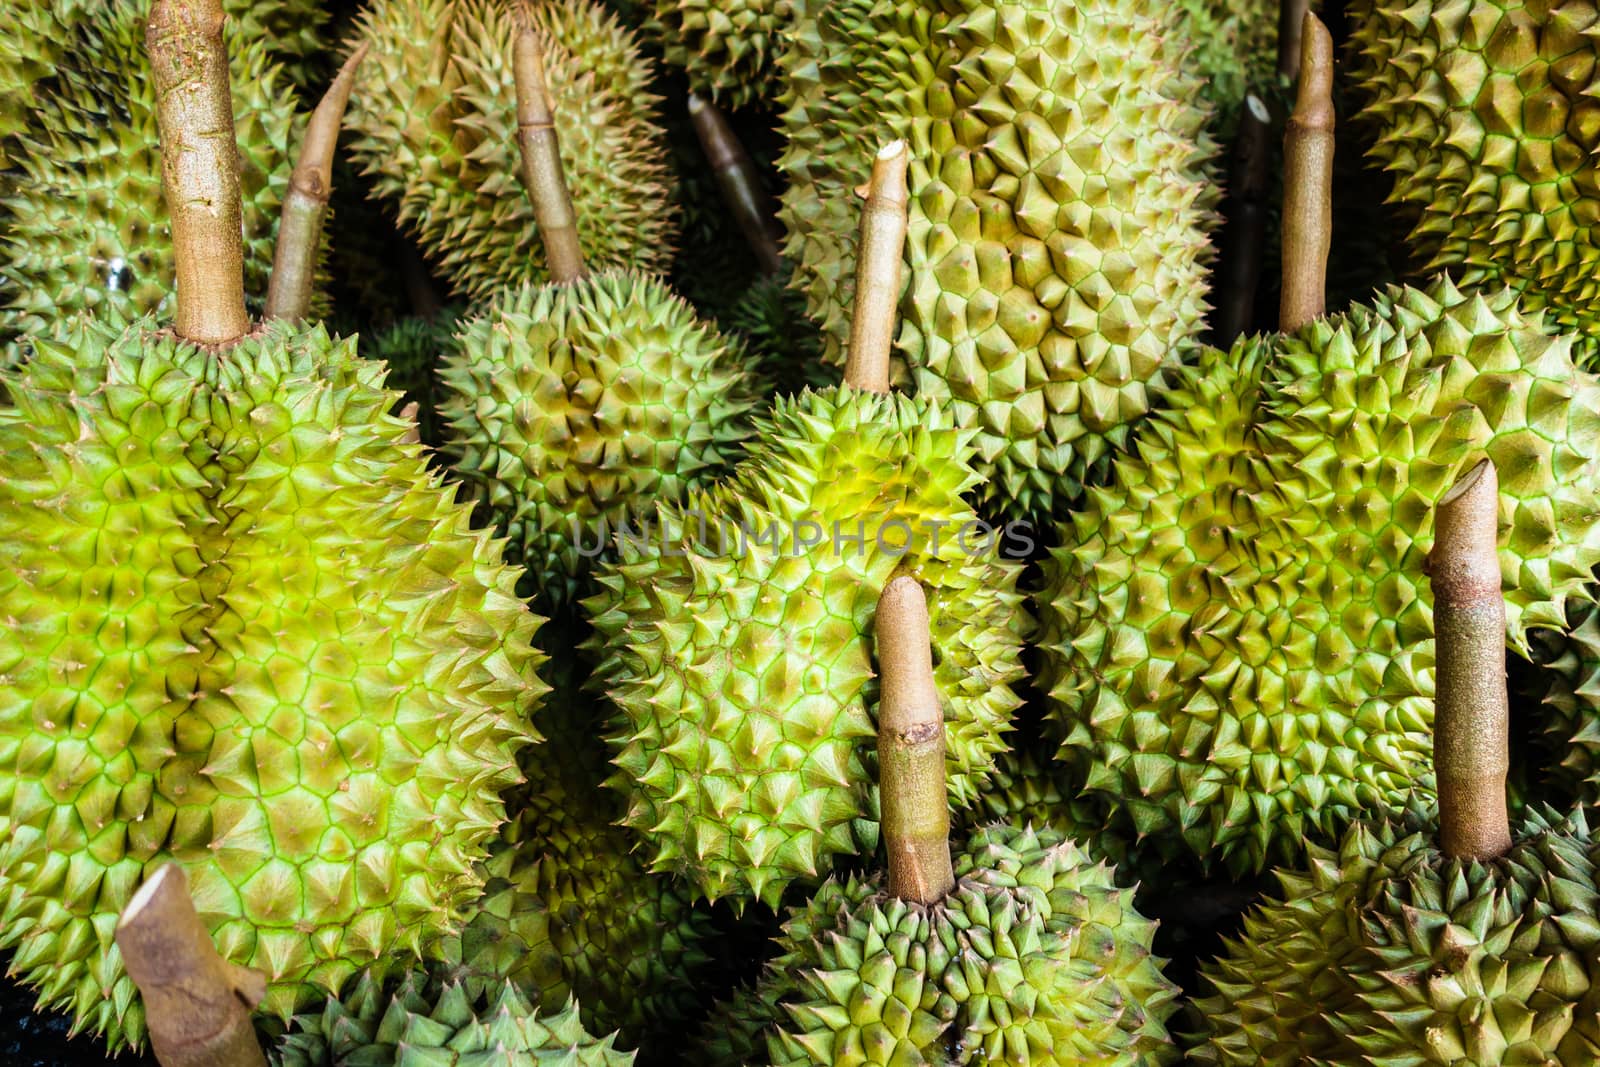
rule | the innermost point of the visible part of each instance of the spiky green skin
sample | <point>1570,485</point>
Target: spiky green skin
<point>1238,633</point>
<point>88,196</point>
<point>568,909</point>
<point>573,407</point>
<point>246,630</point>
<point>1035,957</point>
<point>785,346</point>
<point>1234,48</point>
<point>413,349</point>
<point>1054,266</point>
<point>421,1024</point>
<point>1486,118</point>
<point>728,48</point>
<point>1388,952</point>
<point>1572,702</point>
<point>741,661</point>
<point>434,122</point>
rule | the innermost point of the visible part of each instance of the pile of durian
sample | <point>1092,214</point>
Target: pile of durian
<point>764,532</point>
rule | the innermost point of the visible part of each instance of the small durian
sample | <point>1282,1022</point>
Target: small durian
<point>246,630</point>
<point>423,1023</point>
<point>1571,712</point>
<point>1022,952</point>
<point>574,404</point>
<point>413,349</point>
<point>1055,271</point>
<point>1422,939</point>
<point>728,48</point>
<point>435,118</point>
<point>735,629</point>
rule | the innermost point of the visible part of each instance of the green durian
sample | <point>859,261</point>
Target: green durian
<point>422,1024</point>
<point>728,48</point>
<point>435,124</point>
<point>1571,711</point>
<point>413,349</point>
<point>1486,118</point>
<point>85,221</point>
<point>1054,272</point>
<point>1237,635</point>
<point>785,346</point>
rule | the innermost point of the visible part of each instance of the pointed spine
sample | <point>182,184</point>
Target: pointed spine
<point>916,810</point>
<point>1308,183</point>
<point>1247,222</point>
<point>541,160</point>
<point>738,182</point>
<point>878,257</point>
<point>199,167</point>
<point>1471,725</point>
<point>294,260</point>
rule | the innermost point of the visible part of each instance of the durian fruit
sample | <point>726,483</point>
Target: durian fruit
<point>1486,119</point>
<point>425,1024</point>
<point>86,223</point>
<point>1571,711</point>
<point>244,628</point>
<point>1234,46</point>
<point>1021,952</point>
<point>435,121</point>
<point>412,348</point>
<point>1400,948</point>
<point>574,403</point>
<point>1054,275</point>
<point>728,48</point>
<point>734,630</point>
<point>784,345</point>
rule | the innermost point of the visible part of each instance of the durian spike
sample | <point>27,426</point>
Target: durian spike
<point>199,167</point>
<point>738,181</point>
<point>1471,720</point>
<point>196,1003</point>
<point>1291,24</point>
<point>1308,184</point>
<point>916,810</point>
<point>878,256</point>
<point>1247,222</point>
<point>294,259</point>
<point>541,160</point>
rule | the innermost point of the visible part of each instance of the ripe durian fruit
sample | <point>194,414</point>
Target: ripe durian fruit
<point>1054,275</point>
<point>86,225</point>
<point>574,403</point>
<point>1234,45</point>
<point>784,345</point>
<point>435,118</point>
<point>1402,948</point>
<point>413,348</point>
<point>735,633</point>
<point>1571,712</point>
<point>1021,952</point>
<point>425,1024</point>
<point>244,628</point>
<point>728,48</point>
<point>1485,118</point>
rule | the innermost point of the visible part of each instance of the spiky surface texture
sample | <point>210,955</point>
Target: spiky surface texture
<point>1238,633</point>
<point>1572,702</point>
<point>412,349</point>
<point>741,660</point>
<point>87,226</point>
<point>729,48</point>
<point>785,346</point>
<point>1486,117</point>
<point>568,908</point>
<point>573,407</point>
<point>435,124</point>
<point>1387,951</point>
<point>1035,957</point>
<point>1054,267</point>
<point>1234,46</point>
<point>245,629</point>
<point>423,1024</point>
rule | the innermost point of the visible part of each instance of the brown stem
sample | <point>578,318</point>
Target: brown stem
<point>294,260</point>
<point>1308,184</point>
<point>1246,231</point>
<point>1471,721</point>
<point>878,256</point>
<point>916,811</point>
<point>738,181</point>
<point>199,167</point>
<point>1291,25</point>
<point>196,1004</point>
<point>541,161</point>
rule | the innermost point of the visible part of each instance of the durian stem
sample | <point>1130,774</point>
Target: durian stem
<point>1246,230</point>
<point>197,1004</point>
<point>916,811</point>
<point>1291,24</point>
<point>199,167</point>
<point>738,182</point>
<point>294,260</point>
<point>878,256</point>
<point>1308,184</point>
<point>1471,721</point>
<point>541,161</point>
